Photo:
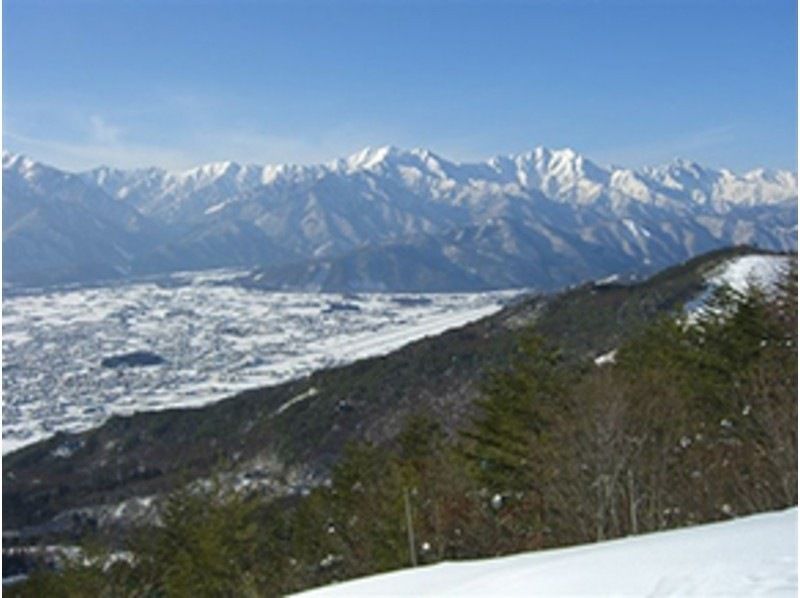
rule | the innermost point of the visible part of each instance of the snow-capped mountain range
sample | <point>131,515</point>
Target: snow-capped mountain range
<point>386,219</point>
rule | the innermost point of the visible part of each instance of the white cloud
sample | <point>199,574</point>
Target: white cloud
<point>104,132</point>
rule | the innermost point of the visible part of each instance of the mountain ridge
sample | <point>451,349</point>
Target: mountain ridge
<point>59,481</point>
<point>564,165</point>
<point>285,218</point>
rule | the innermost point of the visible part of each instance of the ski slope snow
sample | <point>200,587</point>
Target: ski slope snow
<point>751,556</point>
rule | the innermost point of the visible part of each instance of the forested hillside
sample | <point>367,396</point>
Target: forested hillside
<point>274,438</point>
<point>693,420</point>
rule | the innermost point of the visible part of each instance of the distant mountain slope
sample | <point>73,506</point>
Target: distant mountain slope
<point>58,228</point>
<point>541,219</point>
<point>288,435</point>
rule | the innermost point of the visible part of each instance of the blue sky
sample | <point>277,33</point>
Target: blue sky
<point>177,83</point>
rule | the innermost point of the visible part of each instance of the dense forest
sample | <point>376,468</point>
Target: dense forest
<point>692,420</point>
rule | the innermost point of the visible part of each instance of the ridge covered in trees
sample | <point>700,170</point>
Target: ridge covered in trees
<point>695,420</point>
<point>56,489</point>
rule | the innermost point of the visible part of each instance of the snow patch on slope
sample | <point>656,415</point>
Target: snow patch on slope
<point>761,271</point>
<point>752,556</point>
<point>311,392</point>
<point>606,358</point>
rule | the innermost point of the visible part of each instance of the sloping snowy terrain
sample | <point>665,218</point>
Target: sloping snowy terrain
<point>216,339</point>
<point>752,556</point>
<point>760,271</point>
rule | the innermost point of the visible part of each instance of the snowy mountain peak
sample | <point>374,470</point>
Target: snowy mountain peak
<point>210,172</point>
<point>8,157</point>
<point>18,162</point>
<point>26,171</point>
<point>527,210</point>
<point>563,175</point>
<point>369,158</point>
<point>679,163</point>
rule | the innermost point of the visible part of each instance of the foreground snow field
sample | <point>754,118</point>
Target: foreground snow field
<point>216,338</point>
<point>752,556</point>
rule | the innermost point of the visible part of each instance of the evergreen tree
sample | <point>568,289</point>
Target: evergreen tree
<point>507,438</point>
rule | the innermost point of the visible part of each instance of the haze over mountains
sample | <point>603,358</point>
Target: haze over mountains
<point>386,219</point>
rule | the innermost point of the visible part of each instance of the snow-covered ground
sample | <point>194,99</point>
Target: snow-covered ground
<point>217,338</point>
<point>762,271</point>
<point>752,556</point>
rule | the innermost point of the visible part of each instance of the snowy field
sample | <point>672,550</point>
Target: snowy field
<point>752,556</point>
<point>216,339</point>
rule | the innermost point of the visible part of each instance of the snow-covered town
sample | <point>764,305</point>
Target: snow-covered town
<point>214,338</point>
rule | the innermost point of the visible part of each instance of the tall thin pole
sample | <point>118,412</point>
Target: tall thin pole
<point>412,546</point>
